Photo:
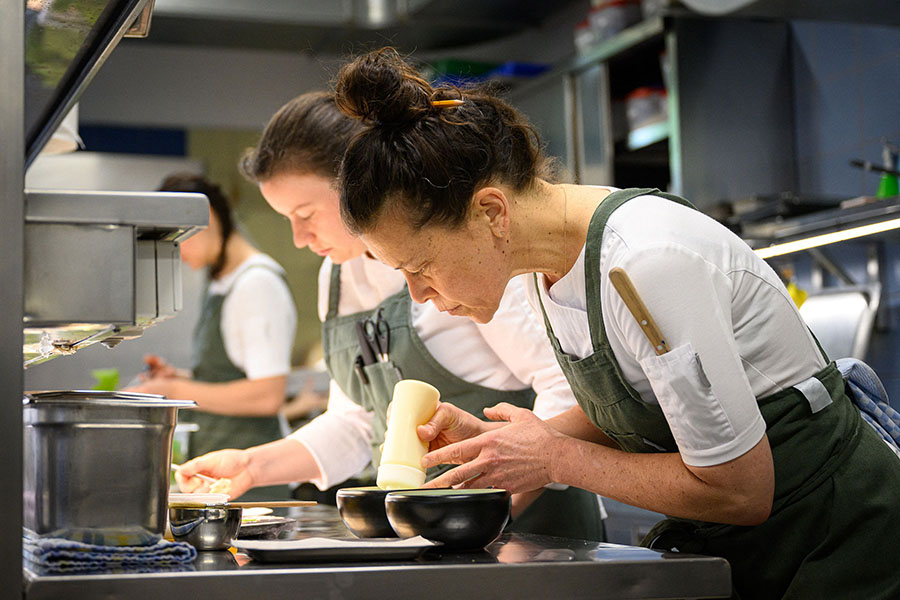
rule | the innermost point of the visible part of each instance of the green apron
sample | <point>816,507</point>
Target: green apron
<point>570,513</point>
<point>211,364</point>
<point>837,486</point>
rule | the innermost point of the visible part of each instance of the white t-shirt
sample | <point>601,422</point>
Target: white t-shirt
<point>484,354</point>
<point>258,317</point>
<point>702,285</point>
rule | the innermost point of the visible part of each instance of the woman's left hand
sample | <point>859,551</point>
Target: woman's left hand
<point>517,457</point>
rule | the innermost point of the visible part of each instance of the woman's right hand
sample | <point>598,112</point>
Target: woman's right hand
<point>231,464</point>
<point>450,425</point>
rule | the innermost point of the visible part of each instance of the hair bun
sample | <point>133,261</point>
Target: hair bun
<point>381,88</point>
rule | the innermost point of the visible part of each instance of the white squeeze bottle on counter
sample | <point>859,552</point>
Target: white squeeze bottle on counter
<point>413,404</point>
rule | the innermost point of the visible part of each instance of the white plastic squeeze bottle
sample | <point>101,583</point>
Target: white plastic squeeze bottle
<point>413,404</point>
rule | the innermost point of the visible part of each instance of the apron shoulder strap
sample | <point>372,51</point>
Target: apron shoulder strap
<point>553,339</point>
<point>592,248</point>
<point>334,291</point>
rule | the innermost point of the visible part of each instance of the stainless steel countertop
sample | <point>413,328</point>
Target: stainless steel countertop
<point>515,566</point>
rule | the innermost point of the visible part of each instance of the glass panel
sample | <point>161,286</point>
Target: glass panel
<point>593,126</point>
<point>65,41</point>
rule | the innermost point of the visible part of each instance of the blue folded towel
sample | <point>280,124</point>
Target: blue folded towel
<point>58,555</point>
<point>869,395</point>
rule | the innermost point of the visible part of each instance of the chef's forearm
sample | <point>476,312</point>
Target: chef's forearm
<point>574,423</point>
<point>281,461</point>
<point>738,492</point>
<point>243,397</point>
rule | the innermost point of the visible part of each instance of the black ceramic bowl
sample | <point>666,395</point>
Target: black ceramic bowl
<point>362,509</point>
<point>460,519</point>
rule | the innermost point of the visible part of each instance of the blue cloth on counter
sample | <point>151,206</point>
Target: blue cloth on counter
<point>103,536</point>
<point>869,395</point>
<point>58,555</point>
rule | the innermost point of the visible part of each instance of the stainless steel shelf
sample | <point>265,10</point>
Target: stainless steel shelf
<point>172,216</point>
<point>623,41</point>
<point>823,222</point>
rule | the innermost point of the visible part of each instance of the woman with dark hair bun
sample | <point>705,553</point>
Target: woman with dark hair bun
<point>242,341</point>
<point>735,423</point>
<point>509,360</point>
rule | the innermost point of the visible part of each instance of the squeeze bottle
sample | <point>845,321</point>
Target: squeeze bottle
<point>888,185</point>
<point>413,404</point>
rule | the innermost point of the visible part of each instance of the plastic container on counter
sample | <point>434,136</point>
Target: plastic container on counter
<point>652,8</point>
<point>584,37</point>
<point>605,19</point>
<point>645,105</point>
<point>612,16</point>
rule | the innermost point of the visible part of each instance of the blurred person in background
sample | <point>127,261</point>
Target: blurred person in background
<point>242,341</point>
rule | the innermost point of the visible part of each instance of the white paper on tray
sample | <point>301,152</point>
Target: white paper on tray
<point>320,542</point>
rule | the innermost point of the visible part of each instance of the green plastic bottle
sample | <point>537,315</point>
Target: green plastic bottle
<point>888,185</point>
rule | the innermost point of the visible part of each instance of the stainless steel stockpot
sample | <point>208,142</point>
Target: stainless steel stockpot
<point>97,462</point>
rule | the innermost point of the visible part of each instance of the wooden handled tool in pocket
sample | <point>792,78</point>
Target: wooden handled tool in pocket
<point>623,285</point>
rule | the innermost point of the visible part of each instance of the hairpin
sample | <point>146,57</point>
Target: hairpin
<point>446,103</point>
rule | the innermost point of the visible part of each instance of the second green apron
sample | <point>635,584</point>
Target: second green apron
<point>211,364</point>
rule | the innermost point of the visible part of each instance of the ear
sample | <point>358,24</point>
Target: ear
<point>492,205</point>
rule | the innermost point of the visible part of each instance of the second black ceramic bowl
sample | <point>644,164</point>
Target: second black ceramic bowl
<point>460,519</point>
<point>362,509</point>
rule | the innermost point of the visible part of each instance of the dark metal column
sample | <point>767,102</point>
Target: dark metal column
<point>12,181</point>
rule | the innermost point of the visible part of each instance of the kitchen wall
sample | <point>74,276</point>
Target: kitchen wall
<point>153,85</point>
<point>218,100</point>
<point>846,98</point>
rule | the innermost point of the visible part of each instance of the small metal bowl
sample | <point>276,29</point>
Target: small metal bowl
<point>207,528</point>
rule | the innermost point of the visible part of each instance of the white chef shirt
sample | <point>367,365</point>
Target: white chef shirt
<point>258,317</point>
<point>483,354</point>
<point>703,285</point>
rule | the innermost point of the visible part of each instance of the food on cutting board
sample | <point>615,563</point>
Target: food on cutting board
<point>220,486</point>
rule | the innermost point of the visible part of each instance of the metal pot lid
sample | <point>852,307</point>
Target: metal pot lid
<point>105,398</point>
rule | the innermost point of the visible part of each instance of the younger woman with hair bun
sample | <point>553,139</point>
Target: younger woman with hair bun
<point>242,340</point>
<point>742,432</point>
<point>473,365</point>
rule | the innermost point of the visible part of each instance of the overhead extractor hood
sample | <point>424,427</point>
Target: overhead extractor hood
<point>99,266</point>
<point>338,27</point>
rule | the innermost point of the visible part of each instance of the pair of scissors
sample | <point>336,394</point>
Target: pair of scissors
<point>378,334</point>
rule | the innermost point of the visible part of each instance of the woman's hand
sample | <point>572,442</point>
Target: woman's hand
<point>164,386</point>
<point>518,457</point>
<point>157,367</point>
<point>231,464</point>
<point>450,424</point>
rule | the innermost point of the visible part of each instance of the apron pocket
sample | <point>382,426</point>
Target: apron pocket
<point>686,398</point>
<point>383,376</point>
